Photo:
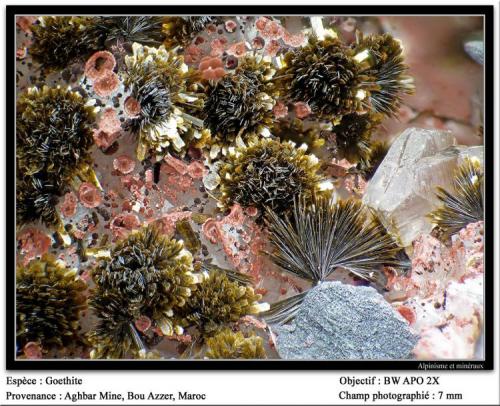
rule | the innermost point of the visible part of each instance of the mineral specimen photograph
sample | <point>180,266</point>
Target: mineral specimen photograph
<point>249,187</point>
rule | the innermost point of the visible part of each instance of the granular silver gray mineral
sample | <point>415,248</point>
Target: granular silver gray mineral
<point>338,321</point>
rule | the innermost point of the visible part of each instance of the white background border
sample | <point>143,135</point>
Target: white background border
<point>256,387</point>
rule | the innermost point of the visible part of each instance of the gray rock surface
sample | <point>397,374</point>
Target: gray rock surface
<point>403,189</point>
<point>338,321</point>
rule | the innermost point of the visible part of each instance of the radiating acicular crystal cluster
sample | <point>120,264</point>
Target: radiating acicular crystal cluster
<point>218,301</point>
<point>60,40</point>
<point>49,298</point>
<point>239,106</point>
<point>54,138</point>
<point>229,345</point>
<point>268,174</point>
<point>245,187</point>
<point>158,80</point>
<point>145,274</point>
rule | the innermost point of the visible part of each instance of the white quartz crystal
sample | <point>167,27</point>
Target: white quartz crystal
<point>472,152</point>
<point>403,189</point>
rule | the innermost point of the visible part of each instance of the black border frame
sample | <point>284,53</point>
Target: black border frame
<point>487,11</point>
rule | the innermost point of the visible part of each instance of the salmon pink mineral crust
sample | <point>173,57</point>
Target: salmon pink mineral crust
<point>98,64</point>
<point>196,170</point>
<point>269,29</point>
<point>68,206</point>
<point>211,230</point>
<point>212,68</point>
<point>294,40</point>
<point>25,23</point>
<point>302,110</point>
<point>218,45</point>
<point>240,238</point>
<point>99,69</point>
<point>143,323</point>
<point>441,296</point>
<point>230,26</point>
<point>107,84</point>
<point>193,54</point>
<point>109,128</point>
<point>238,49</point>
<point>32,350</point>
<point>180,176</point>
<point>33,243</point>
<point>124,164</point>
<point>22,52</point>
<point>104,139</point>
<point>280,110</point>
<point>258,43</point>
<point>272,48</point>
<point>89,195</point>
<point>132,107</point>
<point>167,223</point>
<point>407,313</point>
<point>123,223</point>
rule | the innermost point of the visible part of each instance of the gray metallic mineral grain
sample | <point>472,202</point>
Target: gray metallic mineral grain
<point>339,321</point>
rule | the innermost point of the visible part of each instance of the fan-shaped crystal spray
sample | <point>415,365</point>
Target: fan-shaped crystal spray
<point>323,74</point>
<point>382,63</point>
<point>146,30</point>
<point>325,235</point>
<point>463,204</point>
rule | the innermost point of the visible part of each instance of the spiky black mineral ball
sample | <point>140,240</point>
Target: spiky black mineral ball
<point>268,174</point>
<point>383,64</point>
<point>36,200</point>
<point>158,80</point>
<point>218,301</point>
<point>180,31</point>
<point>464,204</point>
<point>145,30</point>
<point>351,136</point>
<point>49,298</point>
<point>324,75</point>
<point>153,275</point>
<point>235,345</point>
<point>114,335</point>
<point>53,133</point>
<point>241,103</point>
<point>59,41</point>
